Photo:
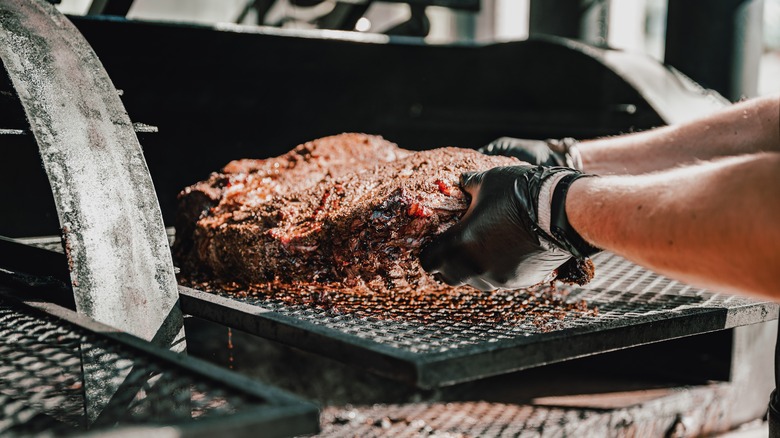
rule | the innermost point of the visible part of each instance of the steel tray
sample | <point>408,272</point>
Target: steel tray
<point>428,347</point>
<point>635,307</point>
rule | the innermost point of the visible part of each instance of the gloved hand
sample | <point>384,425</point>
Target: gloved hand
<point>552,152</point>
<point>515,233</point>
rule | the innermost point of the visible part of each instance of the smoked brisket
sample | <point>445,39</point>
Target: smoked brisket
<point>243,184</point>
<point>351,209</point>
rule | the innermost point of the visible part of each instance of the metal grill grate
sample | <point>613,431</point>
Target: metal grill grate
<point>465,419</point>
<point>626,306</point>
<point>620,293</point>
<point>430,344</point>
<point>462,419</point>
<point>51,369</point>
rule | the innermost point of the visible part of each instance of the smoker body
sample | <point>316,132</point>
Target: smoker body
<point>217,94</point>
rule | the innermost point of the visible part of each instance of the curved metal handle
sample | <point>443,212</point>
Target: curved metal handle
<point>120,263</point>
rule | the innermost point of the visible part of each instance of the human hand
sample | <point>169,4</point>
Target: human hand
<point>553,152</point>
<point>499,242</point>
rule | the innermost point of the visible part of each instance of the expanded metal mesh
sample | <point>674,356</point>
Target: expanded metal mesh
<point>465,321</point>
<point>621,293</point>
<point>466,419</point>
<point>624,289</point>
<point>460,419</point>
<point>60,378</point>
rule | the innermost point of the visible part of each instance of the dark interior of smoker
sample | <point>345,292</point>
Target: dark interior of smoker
<point>218,96</point>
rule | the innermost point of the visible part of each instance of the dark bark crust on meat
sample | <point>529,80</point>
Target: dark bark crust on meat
<point>351,208</point>
<point>576,271</point>
<point>242,184</point>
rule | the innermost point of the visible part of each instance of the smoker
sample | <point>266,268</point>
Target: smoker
<point>656,357</point>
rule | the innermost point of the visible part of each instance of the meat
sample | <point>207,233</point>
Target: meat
<point>244,184</point>
<point>350,209</point>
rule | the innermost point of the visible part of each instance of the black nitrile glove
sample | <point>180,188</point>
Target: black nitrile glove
<point>499,243</point>
<point>550,152</point>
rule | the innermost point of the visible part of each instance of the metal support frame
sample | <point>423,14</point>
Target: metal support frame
<point>586,21</point>
<point>417,25</point>
<point>728,61</point>
<point>261,8</point>
<point>110,7</point>
<point>344,15</point>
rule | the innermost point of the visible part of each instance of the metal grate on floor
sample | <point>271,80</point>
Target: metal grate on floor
<point>441,339</point>
<point>464,419</point>
<point>63,374</point>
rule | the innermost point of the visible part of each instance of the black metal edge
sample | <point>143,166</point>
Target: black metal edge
<point>445,369</point>
<point>206,371</point>
<point>285,421</point>
<point>254,319</point>
<point>110,7</point>
<point>430,370</point>
<point>346,36</point>
<point>20,256</point>
<point>323,34</point>
<point>719,318</point>
<point>277,422</point>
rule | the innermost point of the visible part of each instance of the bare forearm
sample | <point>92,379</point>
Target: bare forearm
<point>748,127</point>
<point>713,224</point>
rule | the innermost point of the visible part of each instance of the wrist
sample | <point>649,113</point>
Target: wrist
<point>552,218</point>
<point>545,199</point>
<point>568,149</point>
